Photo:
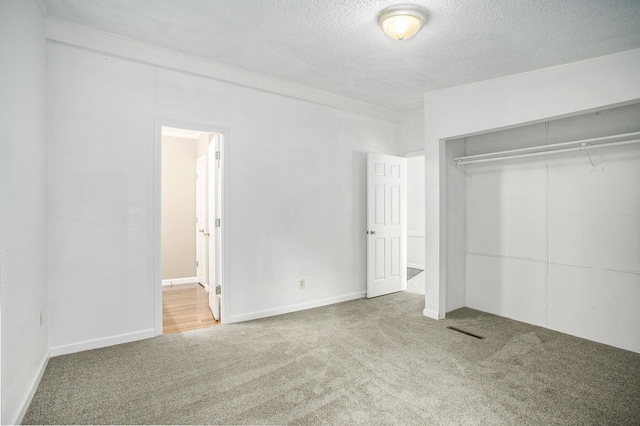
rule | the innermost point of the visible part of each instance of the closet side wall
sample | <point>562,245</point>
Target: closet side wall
<point>554,241</point>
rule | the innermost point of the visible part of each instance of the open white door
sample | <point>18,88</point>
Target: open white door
<point>386,224</point>
<point>215,246</point>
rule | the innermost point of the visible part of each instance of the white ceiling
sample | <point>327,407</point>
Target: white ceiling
<point>337,45</point>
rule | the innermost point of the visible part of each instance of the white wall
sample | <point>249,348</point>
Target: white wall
<point>23,204</point>
<point>411,132</point>
<point>497,104</point>
<point>100,198</point>
<point>415,212</point>
<point>556,242</point>
<point>294,193</point>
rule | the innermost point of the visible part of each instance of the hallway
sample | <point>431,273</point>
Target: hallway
<point>185,307</point>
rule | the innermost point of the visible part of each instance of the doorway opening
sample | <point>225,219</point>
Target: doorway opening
<point>415,222</point>
<point>190,228</point>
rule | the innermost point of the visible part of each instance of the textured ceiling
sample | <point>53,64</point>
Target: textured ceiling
<point>337,45</point>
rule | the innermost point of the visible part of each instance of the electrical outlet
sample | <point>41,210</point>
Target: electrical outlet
<point>301,283</point>
<point>41,318</point>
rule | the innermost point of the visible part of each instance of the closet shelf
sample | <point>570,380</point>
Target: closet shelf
<point>579,145</point>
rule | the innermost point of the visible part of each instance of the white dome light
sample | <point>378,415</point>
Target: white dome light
<point>402,22</point>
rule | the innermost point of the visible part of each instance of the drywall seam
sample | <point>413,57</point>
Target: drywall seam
<point>502,256</point>
<point>121,47</point>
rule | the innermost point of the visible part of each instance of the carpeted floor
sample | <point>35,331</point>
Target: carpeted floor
<point>376,361</point>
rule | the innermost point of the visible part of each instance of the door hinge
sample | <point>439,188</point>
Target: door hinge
<point>217,155</point>
<point>217,223</point>
<point>218,289</point>
<point>197,263</point>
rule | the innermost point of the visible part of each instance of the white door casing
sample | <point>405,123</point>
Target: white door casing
<point>160,124</point>
<point>202,228</point>
<point>386,224</point>
<point>215,225</point>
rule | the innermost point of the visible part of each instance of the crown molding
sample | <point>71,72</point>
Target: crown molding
<point>125,48</point>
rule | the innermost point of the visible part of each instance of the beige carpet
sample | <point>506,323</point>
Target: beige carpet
<point>373,361</point>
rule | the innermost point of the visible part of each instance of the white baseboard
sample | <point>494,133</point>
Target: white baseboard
<point>178,281</point>
<point>34,388</point>
<point>415,265</point>
<point>294,308</point>
<point>101,343</point>
<point>432,314</point>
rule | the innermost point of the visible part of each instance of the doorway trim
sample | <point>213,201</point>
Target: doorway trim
<point>160,122</point>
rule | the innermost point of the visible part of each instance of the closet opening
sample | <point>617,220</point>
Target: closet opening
<point>543,224</point>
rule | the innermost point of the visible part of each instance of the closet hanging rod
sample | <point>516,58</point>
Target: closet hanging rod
<point>533,148</point>
<point>585,143</point>
<point>583,147</point>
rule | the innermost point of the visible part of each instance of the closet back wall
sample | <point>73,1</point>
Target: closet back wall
<point>555,241</point>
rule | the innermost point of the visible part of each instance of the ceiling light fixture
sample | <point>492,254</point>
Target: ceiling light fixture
<point>402,22</point>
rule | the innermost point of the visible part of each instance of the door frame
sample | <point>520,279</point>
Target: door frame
<point>215,213</point>
<point>159,122</point>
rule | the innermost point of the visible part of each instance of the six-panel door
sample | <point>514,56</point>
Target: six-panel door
<point>386,224</point>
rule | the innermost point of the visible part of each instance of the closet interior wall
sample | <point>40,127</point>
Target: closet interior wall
<point>552,240</point>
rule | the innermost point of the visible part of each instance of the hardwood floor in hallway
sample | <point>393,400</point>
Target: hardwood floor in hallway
<point>185,307</point>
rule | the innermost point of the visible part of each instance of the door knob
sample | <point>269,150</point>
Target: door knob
<point>371,232</point>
